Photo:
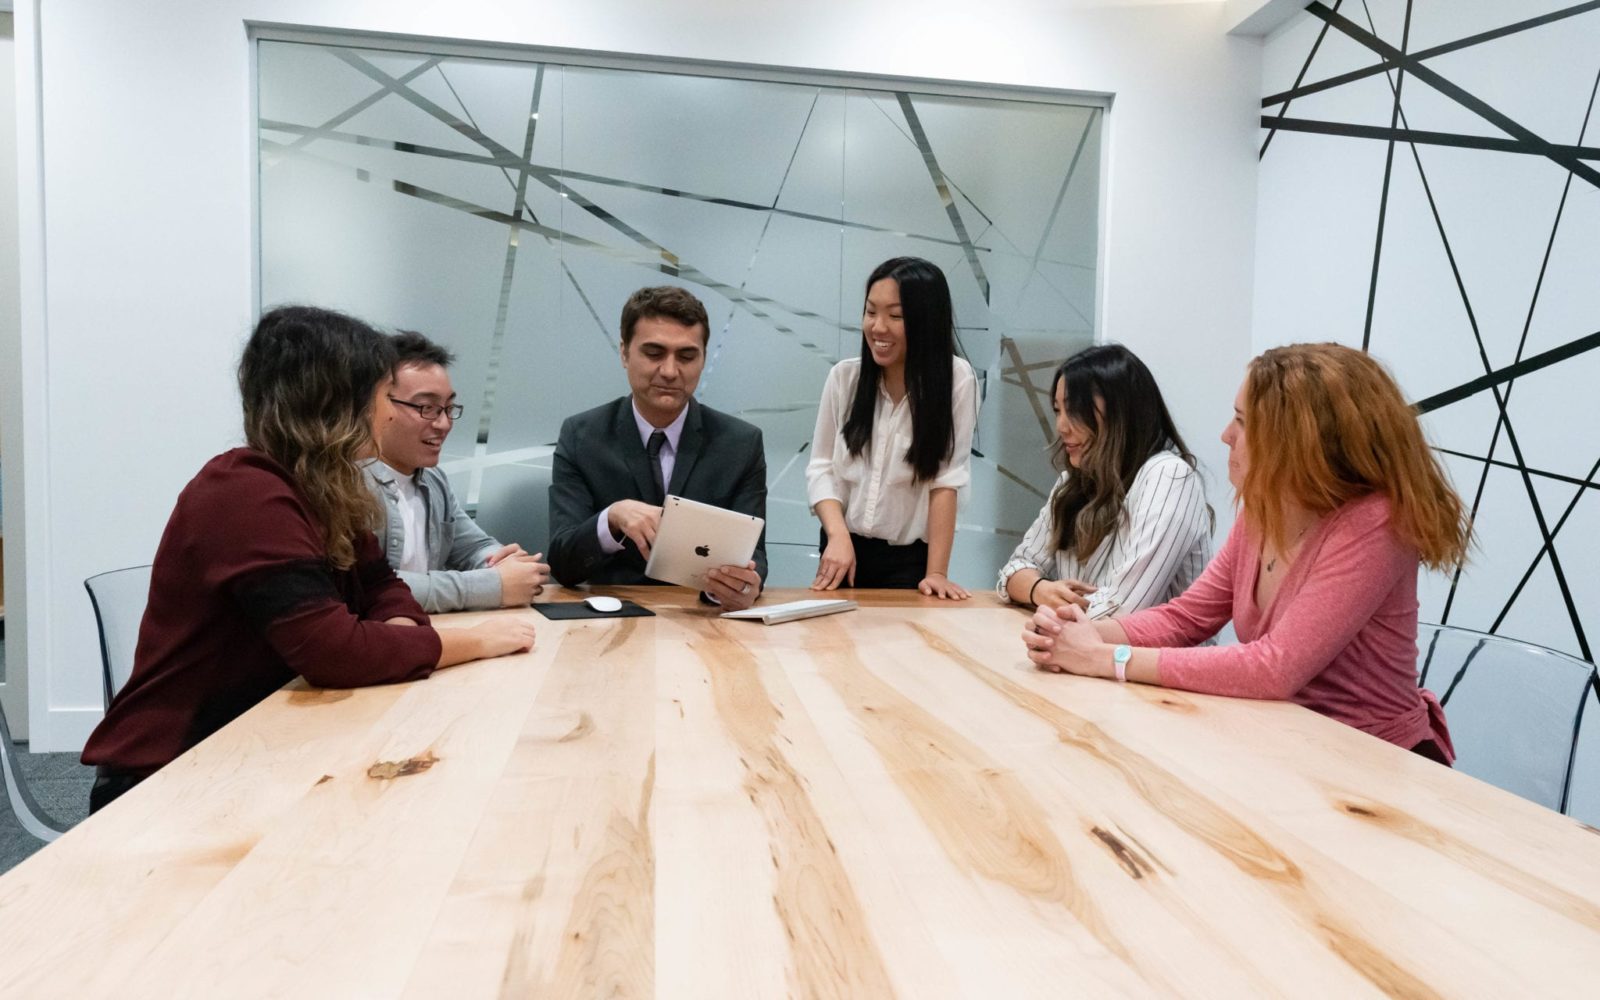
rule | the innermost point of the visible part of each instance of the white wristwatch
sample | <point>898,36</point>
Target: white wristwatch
<point>1119,662</point>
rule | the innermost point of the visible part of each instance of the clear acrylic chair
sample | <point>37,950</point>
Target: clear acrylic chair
<point>119,598</point>
<point>29,815</point>
<point>1514,708</point>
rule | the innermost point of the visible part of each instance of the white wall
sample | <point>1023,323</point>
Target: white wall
<point>147,176</point>
<point>1319,203</point>
<point>13,687</point>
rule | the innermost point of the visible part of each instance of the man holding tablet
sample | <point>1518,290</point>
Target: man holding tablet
<point>614,465</point>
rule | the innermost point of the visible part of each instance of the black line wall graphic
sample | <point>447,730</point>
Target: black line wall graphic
<point>1451,149</point>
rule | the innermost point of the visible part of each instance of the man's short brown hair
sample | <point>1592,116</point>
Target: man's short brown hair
<point>665,302</point>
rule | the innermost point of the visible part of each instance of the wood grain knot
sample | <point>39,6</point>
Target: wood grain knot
<point>385,770</point>
<point>1131,860</point>
<point>1363,810</point>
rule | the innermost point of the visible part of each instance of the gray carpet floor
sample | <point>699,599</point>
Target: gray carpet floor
<point>59,784</point>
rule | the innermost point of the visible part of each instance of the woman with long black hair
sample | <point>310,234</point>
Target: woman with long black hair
<point>891,454</point>
<point>268,567</point>
<point>1127,526</point>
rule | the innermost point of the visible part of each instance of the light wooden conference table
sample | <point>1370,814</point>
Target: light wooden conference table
<point>888,802</point>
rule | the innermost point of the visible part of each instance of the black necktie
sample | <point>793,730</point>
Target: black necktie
<point>653,449</point>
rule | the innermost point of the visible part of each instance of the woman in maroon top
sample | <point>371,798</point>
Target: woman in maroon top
<point>268,567</point>
<point>1340,500</point>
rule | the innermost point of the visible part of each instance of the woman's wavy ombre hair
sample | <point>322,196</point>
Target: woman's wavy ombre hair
<point>1326,424</point>
<point>307,380</point>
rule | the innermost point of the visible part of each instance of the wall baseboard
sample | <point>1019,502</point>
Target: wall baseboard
<point>65,730</point>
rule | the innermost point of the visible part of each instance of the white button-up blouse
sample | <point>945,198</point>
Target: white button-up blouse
<point>875,487</point>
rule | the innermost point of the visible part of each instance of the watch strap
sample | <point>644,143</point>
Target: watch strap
<point>1119,662</point>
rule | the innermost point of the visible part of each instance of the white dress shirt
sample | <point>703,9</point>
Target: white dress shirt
<point>669,461</point>
<point>1157,550</point>
<point>875,487</point>
<point>413,521</point>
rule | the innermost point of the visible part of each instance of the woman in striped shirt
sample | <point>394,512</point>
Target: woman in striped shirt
<point>1127,526</point>
<point>1340,500</point>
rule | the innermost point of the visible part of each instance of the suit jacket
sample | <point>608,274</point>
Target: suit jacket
<point>599,460</point>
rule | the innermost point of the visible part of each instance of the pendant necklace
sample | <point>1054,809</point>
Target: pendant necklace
<point>1273,562</point>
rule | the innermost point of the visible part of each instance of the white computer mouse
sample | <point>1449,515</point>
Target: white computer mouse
<point>601,603</point>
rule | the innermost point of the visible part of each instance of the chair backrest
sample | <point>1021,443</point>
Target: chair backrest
<point>1513,708</point>
<point>119,598</point>
<point>514,504</point>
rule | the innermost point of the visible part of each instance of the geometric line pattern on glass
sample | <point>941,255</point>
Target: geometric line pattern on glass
<point>1020,373</point>
<point>554,175</point>
<point>355,109</point>
<point>937,175</point>
<point>766,226</point>
<point>519,207</point>
<point>670,263</point>
<point>640,249</point>
<point>1061,196</point>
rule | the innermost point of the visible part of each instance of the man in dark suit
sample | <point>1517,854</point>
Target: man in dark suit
<point>615,464</point>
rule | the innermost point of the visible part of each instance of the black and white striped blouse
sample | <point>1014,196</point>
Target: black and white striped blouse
<point>1152,557</point>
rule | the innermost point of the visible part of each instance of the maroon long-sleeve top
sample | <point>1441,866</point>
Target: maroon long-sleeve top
<point>243,599</point>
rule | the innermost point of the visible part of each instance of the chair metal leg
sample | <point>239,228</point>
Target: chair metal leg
<point>33,819</point>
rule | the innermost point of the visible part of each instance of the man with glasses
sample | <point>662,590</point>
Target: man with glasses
<point>449,562</point>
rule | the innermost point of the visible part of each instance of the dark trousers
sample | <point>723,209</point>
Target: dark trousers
<point>1429,749</point>
<point>109,786</point>
<point>879,564</point>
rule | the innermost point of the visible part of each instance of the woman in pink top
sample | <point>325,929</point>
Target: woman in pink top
<point>1340,499</point>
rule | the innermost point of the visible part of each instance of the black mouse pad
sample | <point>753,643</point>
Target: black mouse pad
<point>562,611</point>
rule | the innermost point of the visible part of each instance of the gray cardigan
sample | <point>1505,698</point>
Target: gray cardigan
<point>457,580</point>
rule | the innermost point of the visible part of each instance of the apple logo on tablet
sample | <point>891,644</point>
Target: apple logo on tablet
<point>702,550</point>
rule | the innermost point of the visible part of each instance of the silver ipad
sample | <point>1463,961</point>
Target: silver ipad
<point>696,537</point>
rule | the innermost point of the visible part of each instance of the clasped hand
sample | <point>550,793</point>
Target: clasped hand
<point>1063,640</point>
<point>522,576</point>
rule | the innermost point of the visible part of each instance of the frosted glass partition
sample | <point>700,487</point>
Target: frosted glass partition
<point>508,208</point>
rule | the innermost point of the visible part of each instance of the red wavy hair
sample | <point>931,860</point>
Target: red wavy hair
<point>1326,424</point>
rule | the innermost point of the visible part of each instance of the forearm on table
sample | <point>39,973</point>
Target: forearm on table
<point>1019,585</point>
<point>941,530</point>
<point>331,648</point>
<point>1111,631</point>
<point>459,645</point>
<point>1144,665</point>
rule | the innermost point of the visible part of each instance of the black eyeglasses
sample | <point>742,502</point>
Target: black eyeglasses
<point>430,411</point>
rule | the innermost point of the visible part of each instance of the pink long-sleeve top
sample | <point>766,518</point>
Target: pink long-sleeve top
<point>1339,637</point>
